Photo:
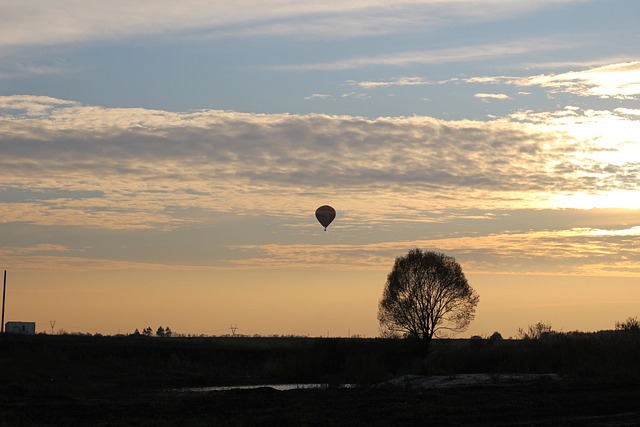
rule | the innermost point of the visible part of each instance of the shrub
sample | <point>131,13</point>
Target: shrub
<point>535,332</point>
<point>631,324</point>
<point>496,336</point>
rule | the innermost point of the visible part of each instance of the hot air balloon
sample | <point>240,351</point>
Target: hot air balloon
<point>325,214</point>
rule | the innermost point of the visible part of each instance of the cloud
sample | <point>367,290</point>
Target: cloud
<point>477,79</point>
<point>476,189</point>
<point>576,251</point>
<point>72,21</point>
<point>399,81</point>
<point>18,69</point>
<point>30,250</point>
<point>367,23</point>
<point>68,263</point>
<point>491,96</point>
<point>318,96</point>
<point>628,111</point>
<point>538,248</point>
<point>155,169</point>
<point>618,80</point>
<point>612,136</point>
<point>621,81</point>
<point>472,53</point>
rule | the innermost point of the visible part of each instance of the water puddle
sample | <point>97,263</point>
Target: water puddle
<point>278,387</point>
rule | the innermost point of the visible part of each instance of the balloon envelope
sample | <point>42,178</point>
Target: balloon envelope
<point>325,214</point>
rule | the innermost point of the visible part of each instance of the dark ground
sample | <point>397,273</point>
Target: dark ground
<point>577,403</point>
<point>53,381</point>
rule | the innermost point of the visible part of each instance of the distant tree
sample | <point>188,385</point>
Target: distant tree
<point>160,331</point>
<point>136,332</point>
<point>496,336</point>
<point>167,332</point>
<point>535,332</point>
<point>147,331</point>
<point>426,294</point>
<point>631,325</point>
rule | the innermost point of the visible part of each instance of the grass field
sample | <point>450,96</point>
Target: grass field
<point>84,380</point>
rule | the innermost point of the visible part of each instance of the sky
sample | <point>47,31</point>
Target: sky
<point>161,161</point>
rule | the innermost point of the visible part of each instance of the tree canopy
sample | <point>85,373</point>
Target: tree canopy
<point>426,294</point>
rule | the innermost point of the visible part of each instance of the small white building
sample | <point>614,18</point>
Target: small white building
<point>25,328</point>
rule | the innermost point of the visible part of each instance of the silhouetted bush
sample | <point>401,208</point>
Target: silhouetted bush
<point>496,336</point>
<point>630,325</point>
<point>535,332</point>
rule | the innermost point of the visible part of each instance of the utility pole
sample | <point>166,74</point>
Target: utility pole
<point>52,323</point>
<point>4,293</point>
<point>233,328</point>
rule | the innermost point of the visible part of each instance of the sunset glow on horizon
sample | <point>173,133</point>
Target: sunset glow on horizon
<point>161,166</point>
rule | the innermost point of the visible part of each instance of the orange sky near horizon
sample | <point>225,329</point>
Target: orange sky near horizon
<point>306,303</point>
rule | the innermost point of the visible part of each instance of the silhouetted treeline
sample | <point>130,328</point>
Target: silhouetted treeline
<point>51,364</point>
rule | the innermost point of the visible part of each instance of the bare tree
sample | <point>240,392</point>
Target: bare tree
<point>535,332</point>
<point>631,324</point>
<point>426,295</point>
